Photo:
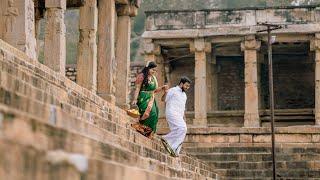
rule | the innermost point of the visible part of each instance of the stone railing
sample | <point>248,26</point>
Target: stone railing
<point>302,18</point>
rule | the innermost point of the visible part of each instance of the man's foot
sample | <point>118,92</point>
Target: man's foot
<point>167,147</point>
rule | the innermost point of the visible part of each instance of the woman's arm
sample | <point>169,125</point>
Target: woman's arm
<point>138,85</point>
<point>162,88</point>
<point>163,98</point>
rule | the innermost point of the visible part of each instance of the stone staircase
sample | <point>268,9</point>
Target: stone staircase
<point>51,128</point>
<point>245,153</point>
<point>256,162</point>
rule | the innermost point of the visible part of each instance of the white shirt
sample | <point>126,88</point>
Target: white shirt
<point>175,102</point>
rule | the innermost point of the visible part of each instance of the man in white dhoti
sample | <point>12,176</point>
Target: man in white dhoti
<point>175,100</point>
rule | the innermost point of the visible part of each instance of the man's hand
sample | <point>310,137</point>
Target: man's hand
<point>165,87</point>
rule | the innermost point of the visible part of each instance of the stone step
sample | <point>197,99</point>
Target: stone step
<point>28,163</point>
<point>264,164</point>
<point>252,149</point>
<point>255,157</point>
<point>47,138</point>
<point>296,173</point>
<point>82,126</point>
<point>35,97</point>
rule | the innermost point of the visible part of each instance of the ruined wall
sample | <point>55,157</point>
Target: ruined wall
<point>230,83</point>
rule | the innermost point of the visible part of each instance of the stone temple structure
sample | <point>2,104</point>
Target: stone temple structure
<point>54,129</point>
<point>228,106</point>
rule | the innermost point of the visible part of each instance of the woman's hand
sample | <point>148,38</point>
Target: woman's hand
<point>134,102</point>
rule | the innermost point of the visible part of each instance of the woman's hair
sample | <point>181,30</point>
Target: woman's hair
<point>145,71</point>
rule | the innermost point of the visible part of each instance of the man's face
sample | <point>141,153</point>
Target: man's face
<point>185,86</point>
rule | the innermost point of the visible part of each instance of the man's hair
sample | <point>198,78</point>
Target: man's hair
<point>185,79</point>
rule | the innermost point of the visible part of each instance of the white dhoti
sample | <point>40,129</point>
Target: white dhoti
<point>175,107</point>
<point>178,131</point>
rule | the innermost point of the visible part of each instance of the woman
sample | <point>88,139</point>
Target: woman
<point>146,88</point>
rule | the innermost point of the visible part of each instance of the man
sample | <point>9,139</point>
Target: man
<point>175,100</point>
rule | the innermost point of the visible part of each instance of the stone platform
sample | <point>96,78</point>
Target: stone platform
<point>52,128</point>
<point>245,153</point>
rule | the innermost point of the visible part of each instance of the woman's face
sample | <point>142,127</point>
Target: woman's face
<point>152,71</point>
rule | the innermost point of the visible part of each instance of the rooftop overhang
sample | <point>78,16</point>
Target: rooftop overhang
<point>228,22</point>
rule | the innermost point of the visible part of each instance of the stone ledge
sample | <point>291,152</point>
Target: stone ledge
<point>261,130</point>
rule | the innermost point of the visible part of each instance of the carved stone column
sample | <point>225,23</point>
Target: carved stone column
<point>87,48</point>
<point>315,46</point>
<point>55,36</point>
<point>17,25</point>
<point>250,47</point>
<point>200,48</point>
<point>106,50</point>
<point>125,13</point>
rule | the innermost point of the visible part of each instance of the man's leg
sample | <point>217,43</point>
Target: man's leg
<point>177,134</point>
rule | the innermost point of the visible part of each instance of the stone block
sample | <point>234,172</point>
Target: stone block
<point>56,4</point>
<point>246,138</point>
<point>316,138</point>
<point>88,17</point>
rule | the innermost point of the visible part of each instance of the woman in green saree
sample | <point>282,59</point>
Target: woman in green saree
<point>144,96</point>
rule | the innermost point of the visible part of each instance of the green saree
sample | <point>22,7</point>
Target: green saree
<point>147,104</point>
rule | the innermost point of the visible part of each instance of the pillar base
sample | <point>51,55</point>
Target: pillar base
<point>203,122</point>
<point>251,120</point>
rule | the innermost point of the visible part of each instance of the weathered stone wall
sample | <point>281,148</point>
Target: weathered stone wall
<point>230,83</point>
<point>135,69</point>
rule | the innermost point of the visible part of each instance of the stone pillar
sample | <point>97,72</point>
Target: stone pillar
<point>213,81</point>
<point>315,46</point>
<point>17,21</point>
<point>261,61</point>
<point>200,48</point>
<point>125,13</point>
<point>55,36</point>
<point>250,47</point>
<point>87,48</point>
<point>106,50</point>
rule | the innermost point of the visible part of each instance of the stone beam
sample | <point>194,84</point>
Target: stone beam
<point>200,48</point>
<point>106,50</point>
<point>127,10</point>
<point>250,47</point>
<point>76,3</point>
<point>17,21</point>
<point>173,42</point>
<point>225,31</point>
<point>288,38</point>
<point>315,46</point>
<point>55,40</point>
<point>87,48</point>
<point>123,58</point>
